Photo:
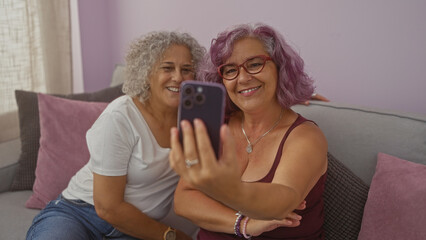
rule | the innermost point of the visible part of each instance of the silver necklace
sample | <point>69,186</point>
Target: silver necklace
<point>250,145</point>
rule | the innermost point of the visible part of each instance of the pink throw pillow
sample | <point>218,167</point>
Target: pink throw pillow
<point>396,203</point>
<point>63,149</point>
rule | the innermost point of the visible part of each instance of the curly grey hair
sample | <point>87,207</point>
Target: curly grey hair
<point>145,51</point>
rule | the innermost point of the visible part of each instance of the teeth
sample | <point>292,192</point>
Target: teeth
<point>249,90</point>
<point>173,89</point>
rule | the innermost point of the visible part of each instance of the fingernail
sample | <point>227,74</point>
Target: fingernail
<point>196,121</point>
<point>184,124</point>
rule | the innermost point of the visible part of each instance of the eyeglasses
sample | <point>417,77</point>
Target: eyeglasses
<point>252,65</point>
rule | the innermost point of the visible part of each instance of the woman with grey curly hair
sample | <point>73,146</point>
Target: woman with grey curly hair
<point>143,54</point>
<point>125,191</point>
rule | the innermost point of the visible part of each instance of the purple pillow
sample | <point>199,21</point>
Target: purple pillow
<point>29,127</point>
<point>63,150</point>
<point>396,203</point>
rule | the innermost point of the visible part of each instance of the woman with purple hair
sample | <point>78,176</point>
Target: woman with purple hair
<point>273,159</point>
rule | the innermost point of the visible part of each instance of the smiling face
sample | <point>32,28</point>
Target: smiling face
<point>168,73</point>
<point>251,92</point>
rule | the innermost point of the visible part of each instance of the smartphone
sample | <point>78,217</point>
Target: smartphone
<point>205,101</point>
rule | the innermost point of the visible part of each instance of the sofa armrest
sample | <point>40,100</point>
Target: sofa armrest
<point>9,156</point>
<point>6,176</point>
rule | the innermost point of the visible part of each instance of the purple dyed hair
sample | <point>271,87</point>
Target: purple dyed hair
<point>294,85</point>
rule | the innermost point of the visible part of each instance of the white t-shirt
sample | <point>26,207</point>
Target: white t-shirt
<point>121,143</point>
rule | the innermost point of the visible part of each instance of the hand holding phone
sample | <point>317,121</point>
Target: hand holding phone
<point>205,101</point>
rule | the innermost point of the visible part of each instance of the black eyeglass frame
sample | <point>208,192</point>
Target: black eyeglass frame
<point>264,57</point>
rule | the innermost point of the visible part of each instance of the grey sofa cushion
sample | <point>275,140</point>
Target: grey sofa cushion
<point>30,130</point>
<point>15,218</point>
<point>356,135</point>
<point>345,195</point>
<point>118,75</point>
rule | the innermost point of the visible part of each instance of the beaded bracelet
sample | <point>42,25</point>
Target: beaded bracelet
<point>237,224</point>
<point>245,228</point>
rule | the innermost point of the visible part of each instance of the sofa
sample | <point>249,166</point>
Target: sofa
<point>357,138</point>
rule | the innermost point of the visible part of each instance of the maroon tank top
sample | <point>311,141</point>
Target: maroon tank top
<point>312,216</point>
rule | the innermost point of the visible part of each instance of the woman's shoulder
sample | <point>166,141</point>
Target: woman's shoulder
<point>307,132</point>
<point>120,102</point>
<point>121,111</point>
<point>121,106</point>
<point>307,145</point>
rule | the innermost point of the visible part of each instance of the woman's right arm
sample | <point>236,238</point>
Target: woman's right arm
<point>108,196</point>
<point>212,215</point>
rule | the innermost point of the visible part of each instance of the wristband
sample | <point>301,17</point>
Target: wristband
<point>245,228</point>
<point>237,224</point>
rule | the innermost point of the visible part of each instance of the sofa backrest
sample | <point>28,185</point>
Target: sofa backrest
<point>356,135</point>
<point>118,75</point>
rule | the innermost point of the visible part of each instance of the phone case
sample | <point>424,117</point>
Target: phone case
<point>205,101</point>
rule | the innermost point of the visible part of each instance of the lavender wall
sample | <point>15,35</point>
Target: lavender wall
<point>95,44</point>
<point>368,53</point>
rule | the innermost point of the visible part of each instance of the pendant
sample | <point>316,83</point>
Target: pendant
<point>249,148</point>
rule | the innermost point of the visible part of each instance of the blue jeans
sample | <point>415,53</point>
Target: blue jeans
<point>72,219</point>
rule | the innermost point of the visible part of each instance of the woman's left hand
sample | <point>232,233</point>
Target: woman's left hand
<point>257,227</point>
<point>196,162</point>
<point>317,97</point>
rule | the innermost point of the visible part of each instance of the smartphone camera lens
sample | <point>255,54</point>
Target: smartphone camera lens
<point>188,90</point>
<point>199,98</point>
<point>187,103</point>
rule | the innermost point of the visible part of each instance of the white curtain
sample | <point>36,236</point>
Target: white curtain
<point>35,48</point>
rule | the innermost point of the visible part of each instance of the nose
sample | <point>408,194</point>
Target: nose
<point>177,76</point>
<point>243,75</point>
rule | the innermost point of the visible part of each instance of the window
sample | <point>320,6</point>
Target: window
<point>35,49</point>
